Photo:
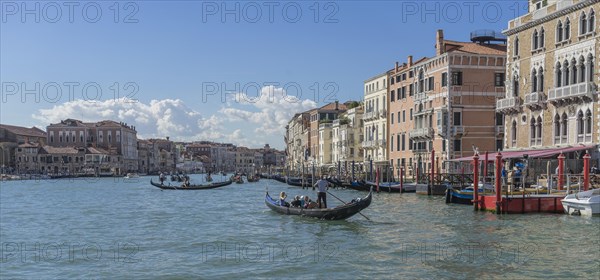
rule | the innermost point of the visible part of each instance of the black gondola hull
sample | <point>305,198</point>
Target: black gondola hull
<point>191,187</point>
<point>338,213</point>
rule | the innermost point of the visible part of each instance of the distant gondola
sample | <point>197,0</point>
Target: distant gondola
<point>338,213</point>
<point>191,187</point>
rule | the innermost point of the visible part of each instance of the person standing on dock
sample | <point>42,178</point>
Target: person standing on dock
<point>322,186</point>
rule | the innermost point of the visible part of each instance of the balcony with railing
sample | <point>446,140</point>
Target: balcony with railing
<point>535,100</point>
<point>499,130</point>
<point>421,96</point>
<point>423,112</point>
<point>368,144</point>
<point>572,93</point>
<point>425,132</point>
<point>383,113</point>
<point>369,115</point>
<point>509,105</point>
<point>458,130</point>
<point>381,142</point>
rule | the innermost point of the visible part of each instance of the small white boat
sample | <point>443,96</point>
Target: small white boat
<point>585,203</point>
<point>132,175</point>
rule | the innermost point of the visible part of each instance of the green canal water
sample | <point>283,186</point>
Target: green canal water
<point>125,228</point>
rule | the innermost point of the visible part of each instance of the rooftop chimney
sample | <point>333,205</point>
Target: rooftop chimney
<point>410,57</point>
<point>439,42</point>
<point>336,105</point>
<point>396,66</point>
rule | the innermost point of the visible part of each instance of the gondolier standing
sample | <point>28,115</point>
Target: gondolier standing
<point>322,186</point>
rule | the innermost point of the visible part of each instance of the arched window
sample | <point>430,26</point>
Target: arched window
<point>566,73</point>
<point>583,23</point>
<point>421,81</point>
<point>541,38</point>
<point>556,129</point>
<point>534,40</point>
<point>581,65</point>
<point>541,79</point>
<point>588,123</point>
<point>591,21</point>
<point>580,124</point>
<point>591,67</point>
<point>516,85</point>
<point>516,50</point>
<point>532,132</point>
<point>567,29</point>
<point>534,81</point>
<point>573,71</point>
<point>559,31</point>
<point>513,131</point>
<point>558,78</point>
<point>564,123</point>
<point>538,141</point>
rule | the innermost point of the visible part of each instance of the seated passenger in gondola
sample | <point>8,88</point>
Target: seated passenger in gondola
<point>282,202</point>
<point>296,202</point>
<point>308,203</point>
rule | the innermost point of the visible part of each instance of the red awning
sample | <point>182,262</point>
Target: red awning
<point>538,153</point>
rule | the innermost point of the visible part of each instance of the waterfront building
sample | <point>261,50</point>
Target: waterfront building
<point>347,140</point>
<point>11,137</point>
<point>118,138</point>
<point>375,124</point>
<point>323,115</point>
<point>297,140</point>
<point>551,101</point>
<point>446,103</point>
<point>324,159</point>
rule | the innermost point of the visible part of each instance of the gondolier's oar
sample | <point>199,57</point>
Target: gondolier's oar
<point>346,203</point>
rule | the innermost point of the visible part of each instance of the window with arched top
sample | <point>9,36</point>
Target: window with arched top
<point>515,89</point>
<point>516,47</point>
<point>534,40</point>
<point>580,126</point>
<point>588,125</point>
<point>566,73</point>
<point>573,71</point>
<point>534,81</point>
<point>591,21</point>
<point>513,133</point>
<point>559,31</point>
<point>590,63</point>
<point>581,71</point>
<point>541,38</point>
<point>421,81</point>
<point>541,79</point>
<point>556,129</point>
<point>558,75</point>
<point>567,29</point>
<point>532,131</point>
<point>564,128</point>
<point>583,24</point>
<point>538,141</point>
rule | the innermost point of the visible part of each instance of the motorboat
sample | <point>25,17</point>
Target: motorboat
<point>586,203</point>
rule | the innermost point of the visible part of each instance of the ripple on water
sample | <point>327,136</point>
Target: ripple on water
<point>144,232</point>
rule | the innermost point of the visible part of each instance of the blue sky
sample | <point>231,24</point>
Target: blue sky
<point>168,56</point>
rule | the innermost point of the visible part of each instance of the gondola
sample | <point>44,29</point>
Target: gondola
<point>191,187</point>
<point>338,213</point>
<point>252,179</point>
<point>297,182</point>
<point>279,179</point>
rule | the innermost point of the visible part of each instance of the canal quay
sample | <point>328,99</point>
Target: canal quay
<point>126,228</point>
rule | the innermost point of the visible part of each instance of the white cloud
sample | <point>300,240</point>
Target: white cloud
<point>262,119</point>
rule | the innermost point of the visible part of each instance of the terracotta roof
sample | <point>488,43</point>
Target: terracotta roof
<point>469,47</point>
<point>29,145</point>
<point>19,130</point>
<point>331,106</point>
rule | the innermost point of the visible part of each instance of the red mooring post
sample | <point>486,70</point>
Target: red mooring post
<point>401,178</point>
<point>561,171</point>
<point>586,171</point>
<point>498,181</point>
<point>476,182</point>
